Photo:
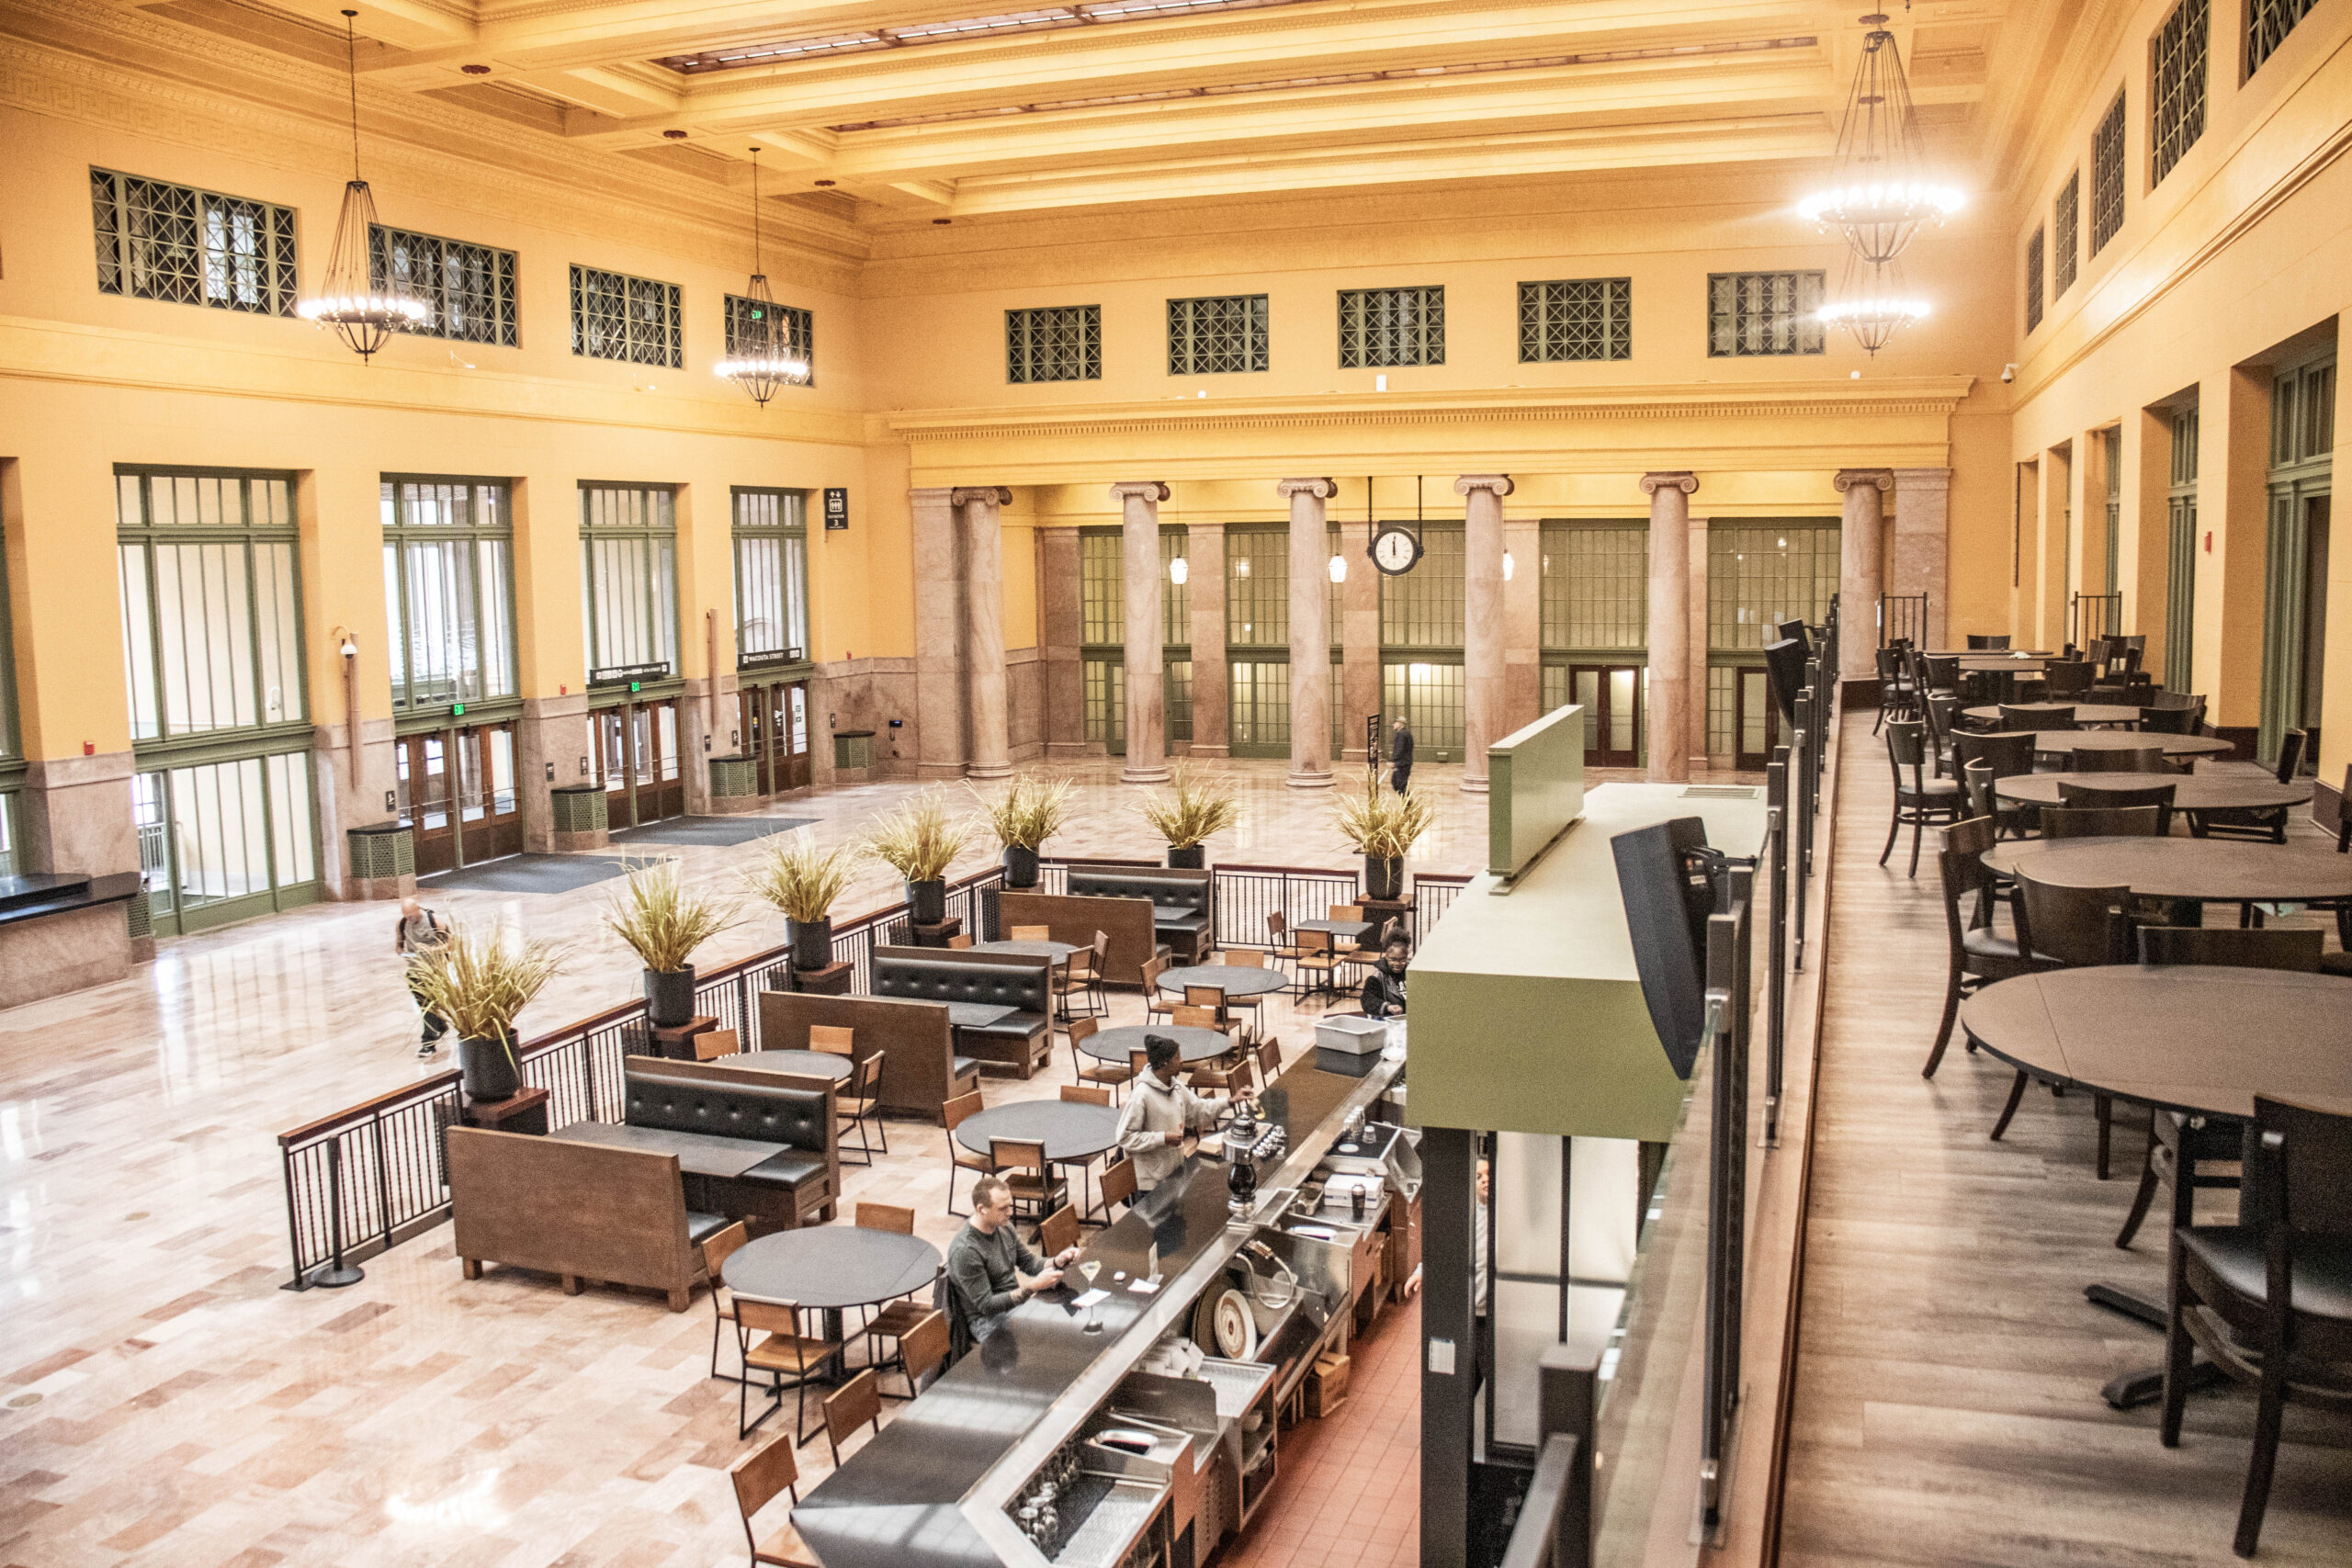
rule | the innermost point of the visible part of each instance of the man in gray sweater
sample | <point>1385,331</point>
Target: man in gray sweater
<point>989,1269</point>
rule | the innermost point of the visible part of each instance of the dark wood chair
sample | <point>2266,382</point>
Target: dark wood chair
<point>859,1106</point>
<point>857,1402</point>
<point>1920,802</point>
<point>2103,822</point>
<point>2269,1298</point>
<point>1118,1184</point>
<point>2013,717</point>
<point>2341,963</point>
<point>2206,1148</point>
<point>1984,642</point>
<point>758,1476</point>
<point>782,1351</point>
<point>2135,760</point>
<point>1036,1185</point>
<point>1109,1077</point>
<point>2069,928</point>
<point>2262,824</point>
<point>1057,1232</point>
<point>2168,721</point>
<point>1979,954</point>
<point>2062,678</point>
<point>898,1318</point>
<point>924,1351</point>
<point>960,1159</point>
<point>1941,714</point>
<point>716,1251</point>
<point>1894,691</point>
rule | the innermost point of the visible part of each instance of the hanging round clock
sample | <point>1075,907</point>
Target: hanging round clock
<point>1396,549</point>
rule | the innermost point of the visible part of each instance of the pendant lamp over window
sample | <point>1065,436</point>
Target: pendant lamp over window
<point>762,357</point>
<point>1881,190</point>
<point>363,310</point>
<point>1872,304</point>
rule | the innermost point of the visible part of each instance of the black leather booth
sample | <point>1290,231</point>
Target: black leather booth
<point>1020,1040</point>
<point>1181,913</point>
<point>801,1178</point>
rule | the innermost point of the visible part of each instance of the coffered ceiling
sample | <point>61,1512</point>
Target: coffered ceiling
<point>915,109</point>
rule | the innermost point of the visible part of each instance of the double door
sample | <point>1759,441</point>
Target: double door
<point>637,761</point>
<point>773,724</point>
<point>1611,695</point>
<point>456,793</point>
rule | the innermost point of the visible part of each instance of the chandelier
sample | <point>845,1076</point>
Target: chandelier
<point>1872,304</point>
<point>361,315</point>
<point>1880,189</point>
<point>762,356</point>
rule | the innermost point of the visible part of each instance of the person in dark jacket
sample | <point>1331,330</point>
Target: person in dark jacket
<point>1400,757</point>
<point>1384,989</point>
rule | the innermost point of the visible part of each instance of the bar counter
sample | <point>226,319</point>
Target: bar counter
<point>931,1490</point>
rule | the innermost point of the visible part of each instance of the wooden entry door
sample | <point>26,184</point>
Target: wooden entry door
<point>637,761</point>
<point>421,764</point>
<point>774,726</point>
<point>1756,720</point>
<point>474,816</point>
<point>1611,695</point>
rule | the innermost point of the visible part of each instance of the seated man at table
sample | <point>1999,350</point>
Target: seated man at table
<point>1158,1114</point>
<point>1384,989</point>
<point>989,1269</point>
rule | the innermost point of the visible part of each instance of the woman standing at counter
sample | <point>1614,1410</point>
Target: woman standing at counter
<point>1159,1112</point>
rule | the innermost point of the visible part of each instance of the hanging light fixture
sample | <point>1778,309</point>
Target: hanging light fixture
<point>1879,188</point>
<point>1872,304</point>
<point>762,357</point>
<point>1338,568</point>
<point>360,315</point>
<point>1178,573</point>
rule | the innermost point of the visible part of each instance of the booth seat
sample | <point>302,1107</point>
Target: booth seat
<point>1020,1040</point>
<point>1181,913</point>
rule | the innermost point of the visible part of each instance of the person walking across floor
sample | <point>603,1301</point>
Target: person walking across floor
<point>1400,757</point>
<point>1159,1113</point>
<point>989,1269</point>
<point>420,932</point>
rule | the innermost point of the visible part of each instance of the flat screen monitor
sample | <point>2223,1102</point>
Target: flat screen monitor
<point>1793,630</point>
<point>1784,666</point>
<point>1663,875</point>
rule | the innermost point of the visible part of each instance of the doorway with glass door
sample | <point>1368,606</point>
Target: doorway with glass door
<point>463,815</point>
<point>772,724</point>
<point>637,761</point>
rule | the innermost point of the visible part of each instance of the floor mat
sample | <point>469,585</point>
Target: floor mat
<point>709,829</point>
<point>527,873</point>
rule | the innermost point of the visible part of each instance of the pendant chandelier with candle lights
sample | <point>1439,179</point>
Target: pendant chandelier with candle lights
<point>1872,303</point>
<point>363,314</point>
<point>762,357</point>
<point>1881,190</point>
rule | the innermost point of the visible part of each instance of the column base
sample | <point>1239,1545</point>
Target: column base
<point>1157,773</point>
<point>1473,786</point>
<point>930,772</point>
<point>989,771</point>
<point>1307,778</point>
<point>1205,749</point>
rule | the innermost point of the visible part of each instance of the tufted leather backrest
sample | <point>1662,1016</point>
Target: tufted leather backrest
<point>798,1117</point>
<point>946,979</point>
<point>1187,890</point>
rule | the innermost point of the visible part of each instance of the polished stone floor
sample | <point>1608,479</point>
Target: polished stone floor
<point>166,1401</point>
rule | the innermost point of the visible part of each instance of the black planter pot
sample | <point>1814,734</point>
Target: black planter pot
<point>669,998</point>
<point>1383,878</point>
<point>487,1069</point>
<point>927,902</point>
<point>1192,859</point>
<point>812,943</point>
<point>1020,867</point>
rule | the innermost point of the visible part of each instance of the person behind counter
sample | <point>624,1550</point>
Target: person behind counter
<point>989,1269</point>
<point>1159,1112</point>
<point>1384,989</point>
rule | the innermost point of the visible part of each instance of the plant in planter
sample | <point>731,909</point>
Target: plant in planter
<point>918,841</point>
<point>480,982</point>
<point>802,880</point>
<point>1190,809</point>
<point>1028,812</point>
<point>1384,826</point>
<point>663,924</point>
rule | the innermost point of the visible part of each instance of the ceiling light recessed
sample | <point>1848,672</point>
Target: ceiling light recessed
<point>824,183</point>
<point>475,70</point>
<point>674,135</point>
<point>942,223</point>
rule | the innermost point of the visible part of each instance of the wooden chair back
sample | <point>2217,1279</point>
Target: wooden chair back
<point>924,1347</point>
<point>1102,946</point>
<point>1270,1059</point>
<point>1978,642</point>
<point>1906,747</point>
<point>2165,720</point>
<point>831,1039</point>
<point>767,1317</point>
<point>719,1248</point>
<point>713,1043</point>
<point>1080,1094</point>
<point>2138,759</point>
<point>2073,794</point>
<point>1210,996</point>
<point>2303,1179</point>
<point>2102,821</point>
<point>1976,786</point>
<point>1083,1029</point>
<point>1057,1232</point>
<point>1315,943</point>
<point>849,1406</point>
<point>2238,948</point>
<point>1137,1063</point>
<point>1345,912</point>
<point>1243,958</point>
<point>959,941</point>
<point>2073,926</point>
<point>1018,1154</point>
<point>1276,926</point>
<point>1118,1182</point>
<point>759,1475</point>
<point>1193,1017</point>
<point>2015,718</point>
<point>954,1111</point>
<point>2290,754</point>
<point>886,1217</point>
<point>2008,752</point>
<point>1031,933</point>
<point>2067,677</point>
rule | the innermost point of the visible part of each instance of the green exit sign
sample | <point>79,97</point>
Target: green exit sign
<point>457,710</point>
<point>636,686</point>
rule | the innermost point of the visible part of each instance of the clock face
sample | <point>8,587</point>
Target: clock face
<point>1396,551</point>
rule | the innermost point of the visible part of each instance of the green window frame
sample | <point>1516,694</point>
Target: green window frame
<point>2106,176</point>
<point>449,593</point>
<point>634,320</point>
<point>467,289</point>
<point>1257,638</point>
<point>2303,441</point>
<point>2178,78</point>
<point>1421,618</point>
<point>769,534</point>
<point>1102,645</point>
<point>796,331</point>
<point>1219,336</point>
<point>628,583</point>
<point>1392,327</point>
<point>1053,343</point>
<point>187,246</point>
<point>2180,554</point>
<point>1772,313</point>
<point>2111,460</point>
<point>1576,319</point>
<point>2065,223</point>
<point>1761,571</point>
<point>2268,23</point>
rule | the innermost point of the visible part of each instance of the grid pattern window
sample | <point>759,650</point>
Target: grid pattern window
<point>211,602</point>
<point>1106,700</point>
<point>1426,694</point>
<point>634,320</point>
<point>2180,540</point>
<point>1218,336</point>
<point>1764,312</point>
<point>450,590</point>
<point>1258,707</point>
<point>226,840</point>
<point>629,584</point>
<point>1762,573</point>
<point>796,329</point>
<point>1392,326</point>
<point>192,247</point>
<point>1102,589</point>
<point>2033,249</point>
<point>770,537</point>
<point>2302,415</point>
<point>1577,318</point>
<point>1423,608</point>
<point>1257,588</point>
<point>2112,460</point>
<point>10,834</point>
<point>1335,594</point>
<point>1175,598</point>
<point>2268,23</point>
<point>2106,176</point>
<point>1054,342</point>
<point>2065,237</point>
<point>469,290</point>
<point>2181,51</point>
<point>1594,588</point>
<point>1176,695</point>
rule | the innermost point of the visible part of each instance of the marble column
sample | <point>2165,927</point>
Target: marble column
<point>1310,633</point>
<point>1523,625</point>
<point>1204,591</point>
<point>1359,638</point>
<point>1482,621</point>
<point>1859,576</point>
<point>939,745</point>
<point>1696,663</point>
<point>1147,708</point>
<point>983,549</point>
<point>1060,615</point>
<point>1922,525</point>
<point>1668,737</point>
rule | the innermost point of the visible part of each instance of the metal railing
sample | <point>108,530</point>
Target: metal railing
<point>2092,617</point>
<point>1729,995</point>
<point>1555,1517</point>
<point>371,1176</point>
<point>1902,617</point>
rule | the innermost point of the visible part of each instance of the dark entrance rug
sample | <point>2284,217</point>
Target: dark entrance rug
<point>717,830</point>
<point>527,873</point>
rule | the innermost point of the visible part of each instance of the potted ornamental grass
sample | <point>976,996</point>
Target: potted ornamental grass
<point>802,879</point>
<point>1384,826</point>
<point>1190,809</point>
<point>480,982</point>
<point>1023,816</point>
<point>918,841</point>
<point>663,924</point>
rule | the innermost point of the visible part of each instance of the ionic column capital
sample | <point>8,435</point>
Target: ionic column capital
<point>1153,490</point>
<point>1499,483</point>
<point>1848,477</point>
<point>1682,479</point>
<point>1321,490</point>
<point>991,495</point>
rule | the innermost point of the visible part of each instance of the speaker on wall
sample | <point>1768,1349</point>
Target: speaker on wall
<point>1666,876</point>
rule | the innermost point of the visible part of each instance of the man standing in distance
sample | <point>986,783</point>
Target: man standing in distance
<point>1400,756</point>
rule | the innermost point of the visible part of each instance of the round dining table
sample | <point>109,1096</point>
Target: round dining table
<point>2191,792</point>
<point>2060,742</point>
<point>1031,947</point>
<point>1236,980</point>
<point>2209,871</point>
<point>1197,1044</point>
<point>829,1267</point>
<point>1072,1133</point>
<point>2085,713</point>
<point>807,1063</point>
